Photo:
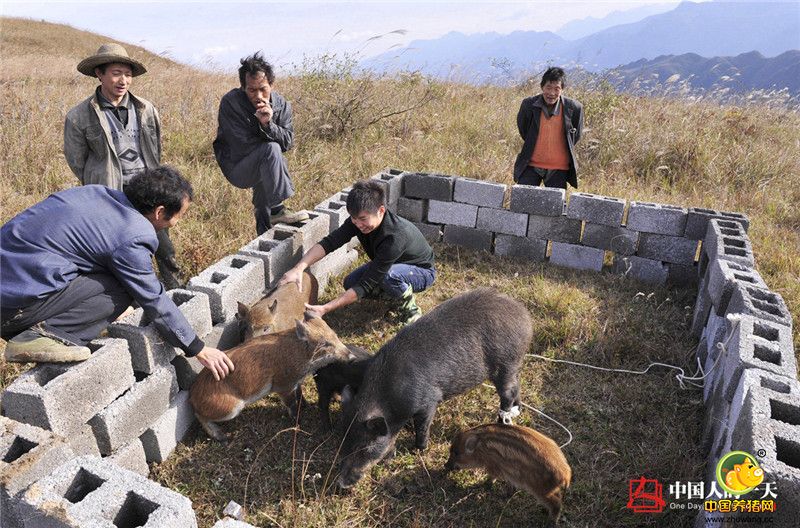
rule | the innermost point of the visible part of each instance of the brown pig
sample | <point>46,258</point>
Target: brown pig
<point>271,363</point>
<point>521,456</point>
<point>278,310</point>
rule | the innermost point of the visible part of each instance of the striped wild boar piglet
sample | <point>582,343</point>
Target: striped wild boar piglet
<point>521,456</point>
<point>477,335</point>
<point>270,363</point>
<point>333,379</point>
<point>278,310</point>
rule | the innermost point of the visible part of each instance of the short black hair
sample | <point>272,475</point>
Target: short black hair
<point>554,74</point>
<point>162,185</point>
<point>252,65</point>
<point>366,195</point>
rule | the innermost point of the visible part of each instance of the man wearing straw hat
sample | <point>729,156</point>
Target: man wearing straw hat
<point>113,135</point>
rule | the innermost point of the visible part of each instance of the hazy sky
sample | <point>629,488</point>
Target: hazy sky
<point>219,33</point>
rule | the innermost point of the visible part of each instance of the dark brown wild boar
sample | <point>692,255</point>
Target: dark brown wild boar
<point>333,379</point>
<point>271,363</point>
<point>521,456</point>
<point>278,310</point>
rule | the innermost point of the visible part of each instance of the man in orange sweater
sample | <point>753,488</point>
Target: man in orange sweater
<point>550,124</point>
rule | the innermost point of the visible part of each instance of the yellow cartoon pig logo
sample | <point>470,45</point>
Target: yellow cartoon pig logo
<point>738,473</point>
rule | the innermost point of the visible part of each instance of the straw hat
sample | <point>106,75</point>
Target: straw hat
<point>106,54</point>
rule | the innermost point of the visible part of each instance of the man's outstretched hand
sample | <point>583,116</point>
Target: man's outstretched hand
<point>216,361</point>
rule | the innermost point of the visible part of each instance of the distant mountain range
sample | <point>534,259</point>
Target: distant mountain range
<point>681,36</point>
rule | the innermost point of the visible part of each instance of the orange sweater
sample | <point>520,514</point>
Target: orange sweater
<point>551,150</point>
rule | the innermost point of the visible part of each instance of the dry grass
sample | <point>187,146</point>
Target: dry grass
<point>635,148</point>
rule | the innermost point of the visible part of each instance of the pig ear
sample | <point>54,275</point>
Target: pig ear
<point>301,330</point>
<point>347,395</point>
<point>274,306</point>
<point>242,310</point>
<point>469,445</point>
<point>378,426</point>
<point>309,316</point>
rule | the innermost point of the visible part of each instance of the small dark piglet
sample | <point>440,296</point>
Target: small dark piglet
<point>332,380</point>
<point>521,456</point>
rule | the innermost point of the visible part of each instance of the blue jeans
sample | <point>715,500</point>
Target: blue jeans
<point>397,280</point>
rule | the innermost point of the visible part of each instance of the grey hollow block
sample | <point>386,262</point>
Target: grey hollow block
<point>392,187</point>
<point>715,420</point>
<point>723,275</point>
<point>412,209</point>
<point>452,213</point>
<point>520,247</point>
<point>187,369</point>
<point>131,457</point>
<point>702,307</point>
<point>478,192</point>
<point>555,228</point>
<point>682,275</point>
<point>502,221</point>
<point>161,438</point>
<point>233,279</point>
<point>333,264</point>
<point>222,336</point>
<point>595,208</point>
<point>761,303</point>
<point>677,250</point>
<point>431,186</point>
<point>477,239</point>
<point>726,240</point>
<point>697,221</point>
<point>541,201</point>
<point>132,413</point>
<point>431,232</point>
<point>277,250</point>
<point>620,240</point>
<point>576,257</point>
<point>756,343</point>
<point>307,232</point>
<point>336,212</point>
<point>83,441</point>
<point>94,493</point>
<point>657,218</point>
<point>641,269</point>
<point>63,397</point>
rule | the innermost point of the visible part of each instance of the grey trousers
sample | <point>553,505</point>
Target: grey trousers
<point>77,314</point>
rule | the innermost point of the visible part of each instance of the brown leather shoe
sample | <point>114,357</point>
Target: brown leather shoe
<point>30,346</point>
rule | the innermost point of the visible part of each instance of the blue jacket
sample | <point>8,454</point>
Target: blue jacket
<point>89,229</point>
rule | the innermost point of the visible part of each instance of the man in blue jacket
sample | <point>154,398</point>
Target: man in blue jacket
<point>71,264</point>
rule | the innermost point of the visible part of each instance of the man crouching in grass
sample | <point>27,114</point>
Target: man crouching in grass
<point>401,259</point>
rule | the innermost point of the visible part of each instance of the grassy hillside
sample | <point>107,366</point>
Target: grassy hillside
<point>658,150</point>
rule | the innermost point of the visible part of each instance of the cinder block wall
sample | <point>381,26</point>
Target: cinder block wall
<point>138,414</point>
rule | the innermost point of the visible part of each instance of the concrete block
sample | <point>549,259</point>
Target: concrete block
<point>27,453</point>
<point>452,213</point>
<point>702,306</point>
<point>336,212</point>
<point>726,240</point>
<point>769,424</point>
<point>235,278</point>
<point>392,187</point>
<point>132,413</point>
<point>555,228</point>
<point>477,239</point>
<point>723,275</point>
<point>697,221</point>
<point>677,250</point>
<point>83,442</point>
<point>187,369</point>
<point>576,257</point>
<point>620,240</point>
<point>307,232</point>
<point>657,218</point>
<point>478,192</point>
<point>682,275</point>
<point>431,186</point>
<point>278,250</point>
<point>431,232</point>
<point>94,493</point>
<point>756,343</point>
<point>760,303</point>
<point>63,397</point>
<point>714,333</point>
<point>131,457</point>
<point>222,336</point>
<point>595,208</point>
<point>715,421</point>
<point>161,438</point>
<point>502,221</point>
<point>540,201</point>
<point>333,264</point>
<point>641,269</point>
<point>520,247</point>
<point>412,209</point>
